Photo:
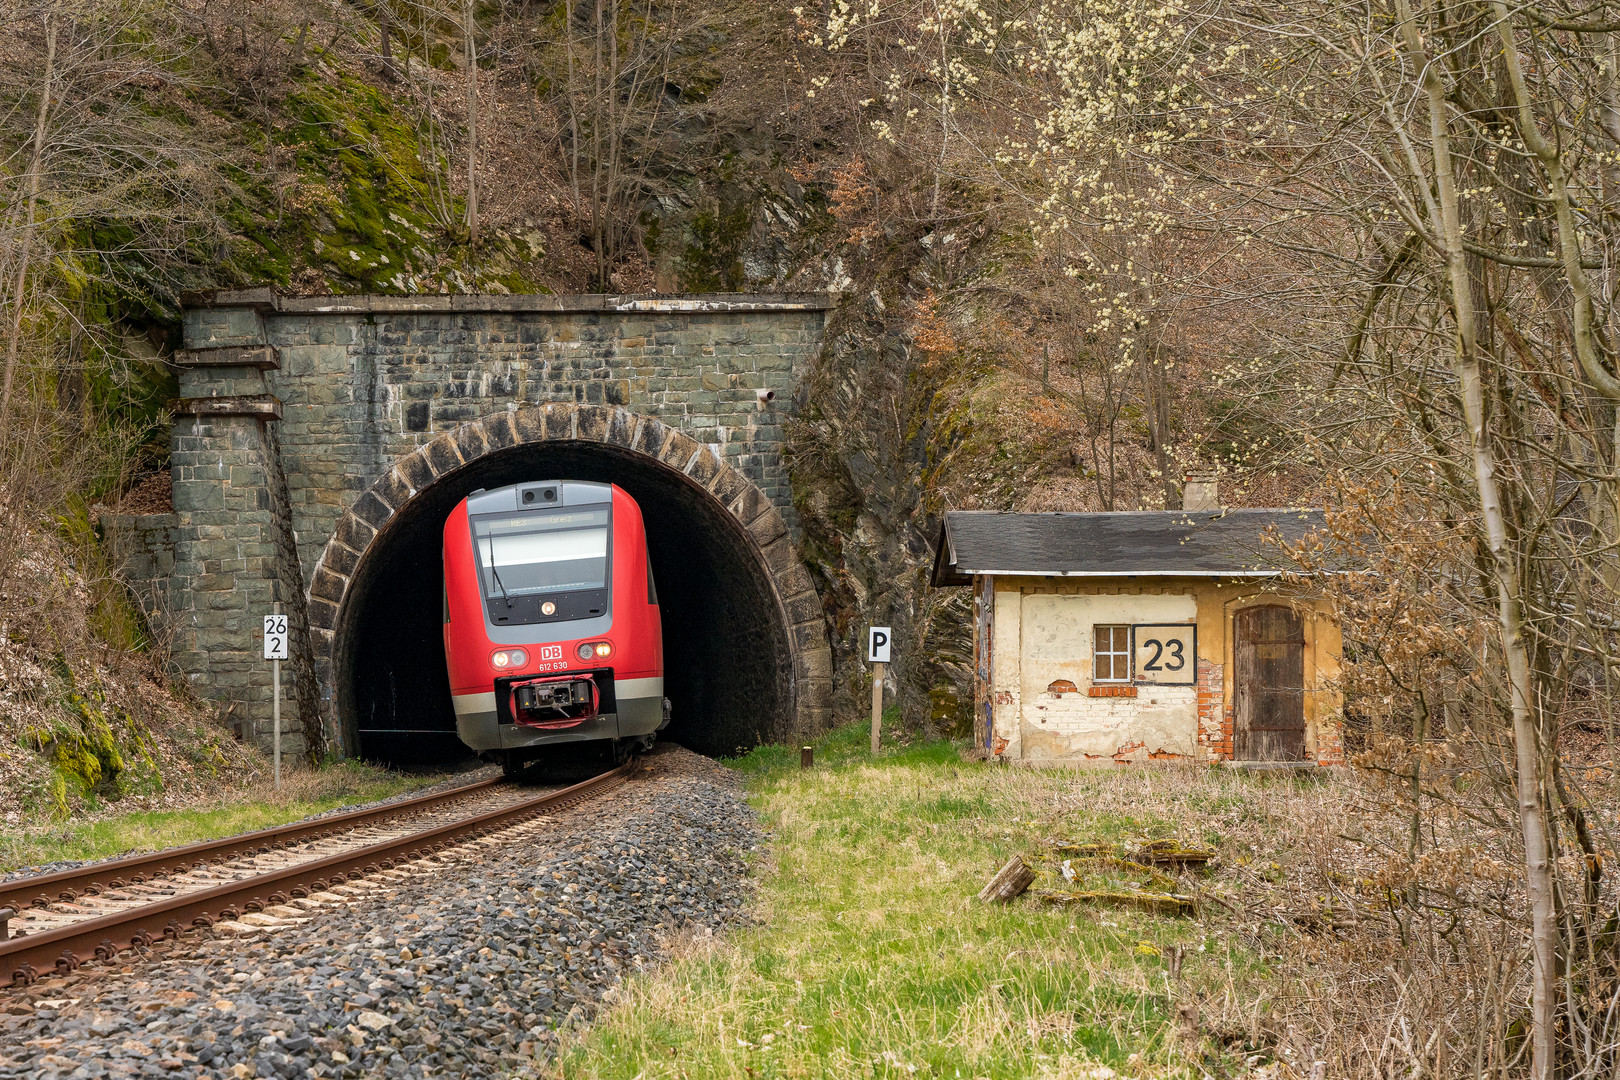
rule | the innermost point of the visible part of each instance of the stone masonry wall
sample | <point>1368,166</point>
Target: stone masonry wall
<point>359,382</point>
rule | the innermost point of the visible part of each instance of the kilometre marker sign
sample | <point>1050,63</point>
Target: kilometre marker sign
<point>275,637</point>
<point>275,651</point>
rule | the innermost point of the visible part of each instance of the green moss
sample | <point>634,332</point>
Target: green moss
<point>362,206</point>
<point>57,795</point>
<point>97,752</point>
<point>711,258</point>
<point>113,618</point>
<point>88,755</point>
<point>371,206</point>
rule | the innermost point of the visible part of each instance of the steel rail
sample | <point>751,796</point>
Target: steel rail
<point>45,889</point>
<point>67,947</point>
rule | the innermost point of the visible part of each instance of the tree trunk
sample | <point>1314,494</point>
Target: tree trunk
<point>472,121</point>
<point>573,102</point>
<point>385,18</point>
<point>26,248</point>
<point>1530,782</point>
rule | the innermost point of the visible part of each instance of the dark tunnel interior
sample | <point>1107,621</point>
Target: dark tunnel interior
<point>727,666</point>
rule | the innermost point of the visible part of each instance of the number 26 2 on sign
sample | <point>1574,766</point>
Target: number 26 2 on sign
<point>275,637</point>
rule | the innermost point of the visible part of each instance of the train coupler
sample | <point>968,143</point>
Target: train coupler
<point>555,701</point>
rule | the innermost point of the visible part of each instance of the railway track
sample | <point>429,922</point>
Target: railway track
<point>61,920</point>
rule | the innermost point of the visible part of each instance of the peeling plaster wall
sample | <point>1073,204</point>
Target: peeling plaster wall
<point>1055,645</point>
<point>1041,630</point>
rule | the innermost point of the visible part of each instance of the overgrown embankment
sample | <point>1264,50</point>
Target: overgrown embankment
<point>88,718</point>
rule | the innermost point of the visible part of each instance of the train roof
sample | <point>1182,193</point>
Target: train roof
<point>538,495</point>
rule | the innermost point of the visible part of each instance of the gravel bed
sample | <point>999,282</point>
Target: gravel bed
<point>469,970</point>
<point>483,772</point>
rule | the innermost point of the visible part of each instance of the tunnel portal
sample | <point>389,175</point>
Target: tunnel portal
<point>318,443</point>
<point>727,661</point>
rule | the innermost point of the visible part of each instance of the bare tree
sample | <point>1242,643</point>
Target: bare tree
<point>617,62</point>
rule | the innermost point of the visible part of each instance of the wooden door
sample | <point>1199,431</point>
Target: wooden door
<point>1269,692</point>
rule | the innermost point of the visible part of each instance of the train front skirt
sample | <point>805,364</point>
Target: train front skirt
<point>638,711</point>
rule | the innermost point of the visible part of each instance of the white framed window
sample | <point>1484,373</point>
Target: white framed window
<point>1111,654</point>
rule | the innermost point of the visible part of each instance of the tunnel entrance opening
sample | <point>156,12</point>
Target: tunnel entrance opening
<point>727,662</point>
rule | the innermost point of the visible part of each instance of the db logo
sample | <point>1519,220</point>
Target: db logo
<point>551,652</point>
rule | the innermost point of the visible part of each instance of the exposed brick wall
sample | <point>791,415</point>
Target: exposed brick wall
<point>1330,741</point>
<point>1214,723</point>
<point>1111,691</point>
<point>1133,753</point>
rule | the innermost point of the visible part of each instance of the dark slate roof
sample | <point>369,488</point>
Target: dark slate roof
<point>1149,543</point>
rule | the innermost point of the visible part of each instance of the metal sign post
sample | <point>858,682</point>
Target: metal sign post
<point>275,651</point>
<point>877,654</point>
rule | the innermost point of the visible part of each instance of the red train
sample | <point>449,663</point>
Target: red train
<point>551,623</point>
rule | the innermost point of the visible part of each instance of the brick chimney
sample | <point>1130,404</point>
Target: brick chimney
<point>1200,490</point>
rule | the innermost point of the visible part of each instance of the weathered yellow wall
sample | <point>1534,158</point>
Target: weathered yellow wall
<point>1042,633</point>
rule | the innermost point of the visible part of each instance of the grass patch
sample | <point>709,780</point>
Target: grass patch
<point>872,961</point>
<point>303,792</point>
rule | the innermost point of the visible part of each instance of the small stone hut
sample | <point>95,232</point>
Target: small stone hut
<point>1123,637</point>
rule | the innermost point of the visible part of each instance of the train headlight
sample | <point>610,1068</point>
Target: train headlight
<point>548,608</point>
<point>603,650</point>
<point>586,651</point>
<point>506,658</point>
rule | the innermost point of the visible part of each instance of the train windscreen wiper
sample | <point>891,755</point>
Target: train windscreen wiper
<point>497,574</point>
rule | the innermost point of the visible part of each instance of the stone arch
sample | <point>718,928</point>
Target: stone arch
<point>752,538</point>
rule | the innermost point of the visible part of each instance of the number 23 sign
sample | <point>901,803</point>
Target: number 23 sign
<point>1166,653</point>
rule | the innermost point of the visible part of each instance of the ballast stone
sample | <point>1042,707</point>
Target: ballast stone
<point>490,990</point>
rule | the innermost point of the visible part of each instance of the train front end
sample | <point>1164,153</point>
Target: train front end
<point>551,622</point>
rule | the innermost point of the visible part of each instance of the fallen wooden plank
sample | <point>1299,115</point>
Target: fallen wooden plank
<point>1164,903</point>
<point>1009,883</point>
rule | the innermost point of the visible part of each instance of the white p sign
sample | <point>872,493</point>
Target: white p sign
<point>275,637</point>
<point>877,645</point>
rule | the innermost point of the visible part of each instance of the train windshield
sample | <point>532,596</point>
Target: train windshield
<point>542,553</point>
